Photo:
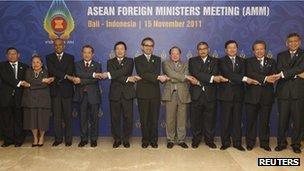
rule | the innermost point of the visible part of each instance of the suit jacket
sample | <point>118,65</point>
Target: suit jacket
<point>38,95</point>
<point>260,93</point>
<point>88,83</point>
<point>58,69</point>
<point>148,87</point>
<point>203,72</point>
<point>8,87</point>
<point>120,73</point>
<point>234,89</point>
<point>290,86</point>
<point>178,81</point>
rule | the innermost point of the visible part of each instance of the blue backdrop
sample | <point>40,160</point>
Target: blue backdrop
<point>22,27</point>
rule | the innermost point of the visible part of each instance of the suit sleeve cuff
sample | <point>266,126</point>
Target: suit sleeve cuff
<point>19,84</point>
<point>244,79</point>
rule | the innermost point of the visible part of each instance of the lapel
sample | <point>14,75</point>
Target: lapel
<point>117,63</point>
<point>91,66</point>
<point>20,70</point>
<point>295,58</point>
<point>10,69</point>
<point>206,65</point>
<point>229,62</point>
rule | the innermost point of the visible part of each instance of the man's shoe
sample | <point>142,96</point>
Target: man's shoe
<point>170,145</point>
<point>224,147</point>
<point>280,148</point>
<point>211,145</point>
<point>68,144</point>
<point>183,145</point>
<point>144,145</point>
<point>126,144</point>
<point>266,148</point>
<point>239,147</point>
<point>93,143</point>
<point>82,143</point>
<point>56,143</point>
<point>116,144</point>
<point>154,145</point>
<point>296,150</point>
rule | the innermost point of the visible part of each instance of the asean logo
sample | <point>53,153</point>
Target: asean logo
<point>58,22</point>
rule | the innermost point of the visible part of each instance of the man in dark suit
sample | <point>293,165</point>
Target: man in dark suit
<point>148,67</point>
<point>290,93</point>
<point>259,98</point>
<point>231,95</point>
<point>12,73</point>
<point>61,66</point>
<point>88,95</point>
<point>203,95</point>
<point>121,95</point>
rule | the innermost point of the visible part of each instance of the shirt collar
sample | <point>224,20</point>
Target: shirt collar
<point>61,54</point>
<point>90,61</point>
<point>295,51</point>
<point>120,59</point>
<point>14,63</point>
<point>260,59</point>
<point>232,57</point>
<point>148,56</point>
<point>204,59</point>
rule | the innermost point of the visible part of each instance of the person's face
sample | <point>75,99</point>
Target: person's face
<point>36,64</point>
<point>231,49</point>
<point>203,51</point>
<point>147,47</point>
<point>175,55</point>
<point>120,51</point>
<point>12,55</point>
<point>259,50</point>
<point>293,43</point>
<point>87,54</point>
<point>58,46</point>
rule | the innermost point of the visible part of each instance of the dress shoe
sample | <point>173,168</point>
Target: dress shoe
<point>280,148</point>
<point>224,147</point>
<point>170,145</point>
<point>144,145</point>
<point>93,143</point>
<point>40,145</point>
<point>239,147</point>
<point>82,143</point>
<point>126,144</point>
<point>18,144</point>
<point>116,144</point>
<point>154,145</point>
<point>249,148</point>
<point>183,145</point>
<point>296,150</point>
<point>68,144</point>
<point>211,145</point>
<point>266,148</point>
<point>195,144</point>
<point>56,143</point>
<point>35,145</point>
<point>6,144</point>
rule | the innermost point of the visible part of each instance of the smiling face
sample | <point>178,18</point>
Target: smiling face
<point>36,64</point>
<point>59,45</point>
<point>203,50</point>
<point>147,47</point>
<point>87,53</point>
<point>259,50</point>
<point>293,43</point>
<point>120,51</point>
<point>12,56</point>
<point>231,49</point>
<point>175,54</point>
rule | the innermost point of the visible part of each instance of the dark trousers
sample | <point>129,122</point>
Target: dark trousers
<point>258,113</point>
<point>122,108</point>
<point>149,114</point>
<point>12,124</point>
<point>62,110</point>
<point>202,118</point>
<point>88,114</point>
<point>290,109</point>
<point>231,122</point>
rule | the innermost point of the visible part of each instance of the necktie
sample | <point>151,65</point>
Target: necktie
<point>87,66</point>
<point>233,63</point>
<point>59,57</point>
<point>148,58</point>
<point>292,55</point>
<point>261,64</point>
<point>119,61</point>
<point>15,71</point>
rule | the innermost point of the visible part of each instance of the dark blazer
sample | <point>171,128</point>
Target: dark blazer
<point>120,73</point>
<point>59,69</point>
<point>265,91</point>
<point>148,87</point>
<point>289,86</point>
<point>38,95</point>
<point>8,87</point>
<point>234,89</point>
<point>88,82</point>
<point>203,72</point>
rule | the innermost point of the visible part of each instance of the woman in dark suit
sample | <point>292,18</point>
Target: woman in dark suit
<point>36,101</point>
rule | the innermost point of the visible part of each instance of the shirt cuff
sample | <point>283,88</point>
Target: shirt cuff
<point>65,76</point>
<point>282,75</point>
<point>109,75</point>
<point>211,79</point>
<point>127,80</point>
<point>19,84</point>
<point>198,83</point>
<point>94,74</point>
<point>265,79</point>
<point>244,79</point>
